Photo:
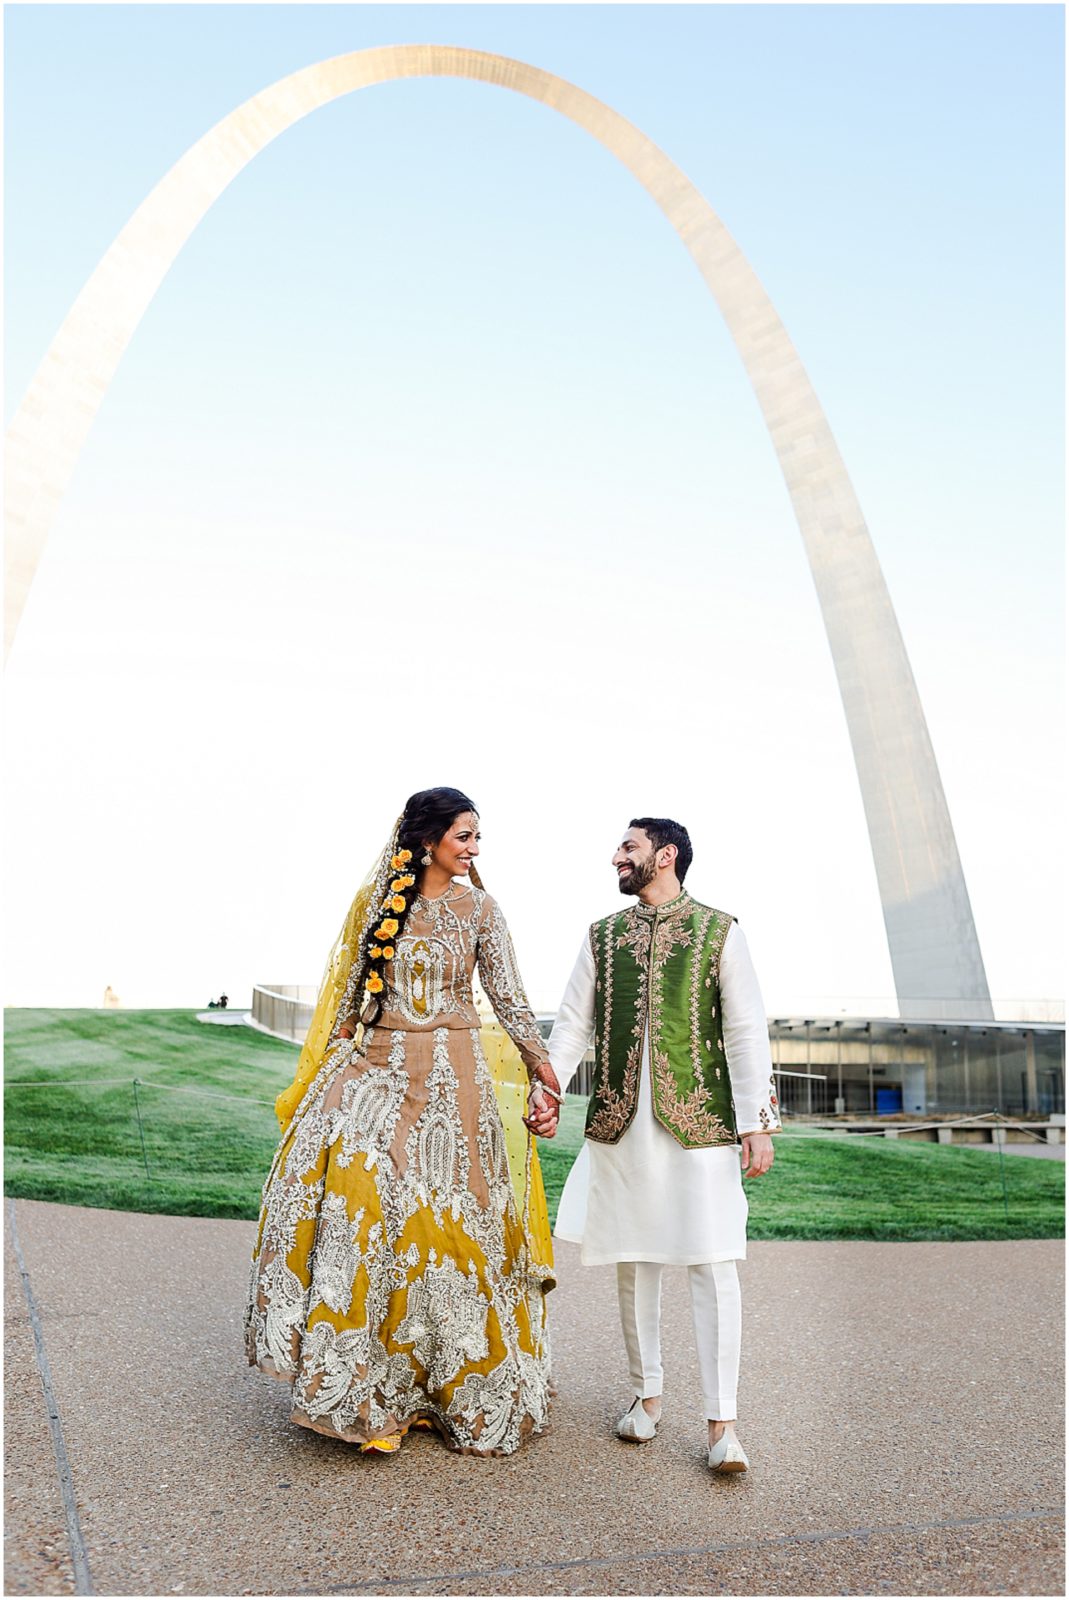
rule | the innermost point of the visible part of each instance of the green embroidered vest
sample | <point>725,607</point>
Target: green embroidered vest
<point>660,965</point>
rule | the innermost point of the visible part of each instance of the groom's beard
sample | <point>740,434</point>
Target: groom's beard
<point>642,873</point>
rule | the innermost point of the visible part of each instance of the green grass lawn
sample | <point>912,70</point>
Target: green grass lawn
<point>205,1100</point>
<point>207,1131</point>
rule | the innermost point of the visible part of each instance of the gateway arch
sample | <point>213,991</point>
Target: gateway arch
<point>935,952</point>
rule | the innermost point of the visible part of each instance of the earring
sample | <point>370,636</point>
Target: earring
<point>426,859</point>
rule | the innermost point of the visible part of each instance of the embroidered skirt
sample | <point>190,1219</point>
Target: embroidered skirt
<point>392,1277</point>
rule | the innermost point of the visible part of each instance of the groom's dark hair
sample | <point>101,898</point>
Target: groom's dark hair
<point>662,831</point>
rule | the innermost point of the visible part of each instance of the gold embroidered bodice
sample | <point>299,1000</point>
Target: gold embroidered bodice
<point>429,981</point>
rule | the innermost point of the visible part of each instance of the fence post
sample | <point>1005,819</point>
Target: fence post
<point>1002,1170</point>
<point>141,1130</point>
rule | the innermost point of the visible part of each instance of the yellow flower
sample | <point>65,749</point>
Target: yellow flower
<point>398,883</point>
<point>397,903</point>
<point>388,929</point>
<point>403,856</point>
<point>387,954</point>
<point>376,952</point>
<point>373,984</point>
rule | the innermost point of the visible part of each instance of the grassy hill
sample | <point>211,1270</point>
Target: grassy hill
<point>195,1134</point>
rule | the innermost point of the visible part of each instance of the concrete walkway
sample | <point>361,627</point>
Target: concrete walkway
<point>901,1405</point>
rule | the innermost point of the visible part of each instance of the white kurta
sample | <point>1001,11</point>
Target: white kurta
<point>646,1198</point>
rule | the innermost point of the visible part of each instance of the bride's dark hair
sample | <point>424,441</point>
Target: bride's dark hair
<point>428,816</point>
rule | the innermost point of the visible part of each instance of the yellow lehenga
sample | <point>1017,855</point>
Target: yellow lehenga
<point>403,1254</point>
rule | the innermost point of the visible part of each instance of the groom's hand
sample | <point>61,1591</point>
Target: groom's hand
<point>757,1154</point>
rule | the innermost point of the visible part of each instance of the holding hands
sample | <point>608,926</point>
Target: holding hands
<point>544,1102</point>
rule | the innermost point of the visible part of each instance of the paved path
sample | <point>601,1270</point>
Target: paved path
<point>901,1406</point>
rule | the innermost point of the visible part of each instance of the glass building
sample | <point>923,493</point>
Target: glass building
<point>888,1066</point>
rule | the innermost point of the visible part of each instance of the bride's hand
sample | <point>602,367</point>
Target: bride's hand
<point>544,1074</point>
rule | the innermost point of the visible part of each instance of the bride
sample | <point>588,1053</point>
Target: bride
<point>400,1269</point>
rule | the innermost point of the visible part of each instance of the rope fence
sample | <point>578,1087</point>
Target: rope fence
<point>148,1083</point>
<point>172,1145</point>
<point>995,1117</point>
<point>181,1135</point>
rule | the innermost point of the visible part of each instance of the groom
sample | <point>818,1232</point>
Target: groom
<point>682,1074</point>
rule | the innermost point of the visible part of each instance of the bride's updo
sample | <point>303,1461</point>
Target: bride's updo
<point>427,817</point>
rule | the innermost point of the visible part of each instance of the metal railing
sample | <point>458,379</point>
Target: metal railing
<point>283,1010</point>
<point>799,1093</point>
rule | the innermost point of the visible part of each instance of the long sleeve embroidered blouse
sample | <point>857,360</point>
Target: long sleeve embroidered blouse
<point>429,981</point>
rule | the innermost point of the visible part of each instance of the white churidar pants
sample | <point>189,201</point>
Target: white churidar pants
<point>716,1305</point>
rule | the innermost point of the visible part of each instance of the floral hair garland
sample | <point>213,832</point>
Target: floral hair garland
<point>387,929</point>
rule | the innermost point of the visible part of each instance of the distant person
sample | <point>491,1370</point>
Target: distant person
<point>682,1073</point>
<point>396,1280</point>
<point>111,999</point>
<point>222,1002</point>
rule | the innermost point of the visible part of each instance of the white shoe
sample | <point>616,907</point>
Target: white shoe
<point>637,1424</point>
<point>727,1455</point>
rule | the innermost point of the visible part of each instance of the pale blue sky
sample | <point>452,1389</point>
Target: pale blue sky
<point>434,340</point>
